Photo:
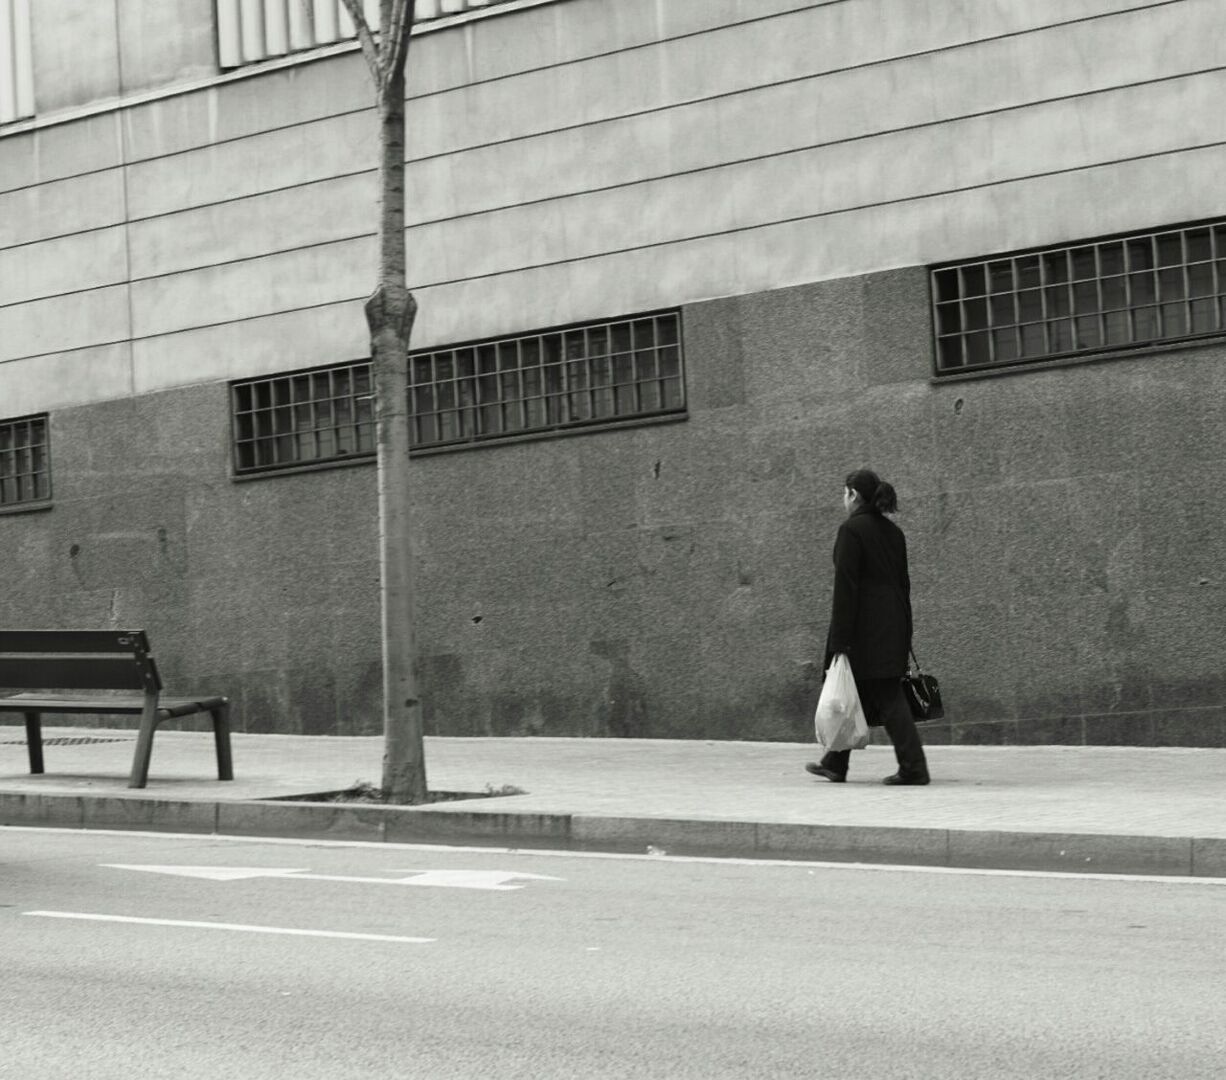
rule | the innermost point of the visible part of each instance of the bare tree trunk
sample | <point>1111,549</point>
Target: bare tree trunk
<point>389,314</point>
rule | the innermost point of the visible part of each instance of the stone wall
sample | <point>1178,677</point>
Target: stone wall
<point>674,580</point>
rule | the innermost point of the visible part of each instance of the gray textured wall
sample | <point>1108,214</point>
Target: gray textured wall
<point>674,580</point>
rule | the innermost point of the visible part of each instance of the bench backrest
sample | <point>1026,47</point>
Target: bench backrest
<point>77,660</point>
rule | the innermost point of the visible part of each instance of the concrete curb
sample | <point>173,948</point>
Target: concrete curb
<point>985,849</point>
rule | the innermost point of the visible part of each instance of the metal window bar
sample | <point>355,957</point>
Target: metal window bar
<point>1156,284</point>
<point>1185,273</point>
<point>989,313</point>
<point>1043,313</point>
<point>1071,295</point>
<point>1169,285</point>
<point>1104,332</point>
<point>1217,252</point>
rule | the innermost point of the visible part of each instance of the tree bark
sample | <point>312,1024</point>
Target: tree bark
<point>390,312</point>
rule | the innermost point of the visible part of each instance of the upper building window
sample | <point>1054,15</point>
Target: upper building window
<point>16,70</point>
<point>25,464</point>
<point>556,381</point>
<point>1091,297</point>
<point>252,30</point>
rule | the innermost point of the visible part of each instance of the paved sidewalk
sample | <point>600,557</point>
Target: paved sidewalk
<point>1105,809</point>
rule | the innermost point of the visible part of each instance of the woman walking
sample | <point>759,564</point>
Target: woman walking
<point>871,623</point>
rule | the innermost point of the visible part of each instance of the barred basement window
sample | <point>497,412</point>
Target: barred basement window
<point>1091,297</point>
<point>559,380</point>
<point>562,379</point>
<point>25,461</point>
<point>305,417</point>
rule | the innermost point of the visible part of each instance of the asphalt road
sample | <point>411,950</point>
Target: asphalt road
<point>600,967</point>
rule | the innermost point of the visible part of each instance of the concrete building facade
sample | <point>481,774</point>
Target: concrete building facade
<point>857,232</point>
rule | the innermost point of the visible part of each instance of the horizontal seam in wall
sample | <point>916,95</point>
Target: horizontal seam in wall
<point>120,106</point>
<point>128,282</point>
<point>655,43</point>
<point>1152,711</point>
<point>124,223</point>
<point>64,236</point>
<point>659,42</point>
<point>1141,349</point>
<point>288,61</point>
<point>340,302</point>
<point>808,77</point>
<point>66,352</point>
<point>732,163</point>
<point>372,171</point>
<point>655,178</point>
<point>772,224</point>
<point>121,284</point>
<point>615,251</point>
<point>622,116</point>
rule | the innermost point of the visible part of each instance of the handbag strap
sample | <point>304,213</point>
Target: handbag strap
<point>910,648</point>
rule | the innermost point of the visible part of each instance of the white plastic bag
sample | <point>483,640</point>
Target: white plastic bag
<point>840,722</point>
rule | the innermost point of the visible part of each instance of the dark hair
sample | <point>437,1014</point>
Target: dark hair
<point>876,493</point>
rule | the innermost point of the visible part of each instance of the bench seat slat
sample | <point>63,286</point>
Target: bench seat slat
<point>167,706</point>
<point>70,672</point>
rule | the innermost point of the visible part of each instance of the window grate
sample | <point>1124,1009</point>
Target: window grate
<point>323,415</point>
<point>1094,296</point>
<point>560,379</point>
<point>25,461</point>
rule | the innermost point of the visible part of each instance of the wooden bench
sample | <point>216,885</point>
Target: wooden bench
<point>51,661</point>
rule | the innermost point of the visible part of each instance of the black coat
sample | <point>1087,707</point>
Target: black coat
<point>871,616</point>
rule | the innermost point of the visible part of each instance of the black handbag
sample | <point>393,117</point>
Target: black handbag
<point>923,693</point>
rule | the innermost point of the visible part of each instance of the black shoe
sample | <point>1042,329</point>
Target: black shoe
<point>906,781</point>
<point>818,769</point>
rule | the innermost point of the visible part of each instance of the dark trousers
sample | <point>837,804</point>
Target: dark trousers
<point>885,706</point>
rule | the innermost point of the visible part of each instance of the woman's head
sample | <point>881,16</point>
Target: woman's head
<point>866,488</point>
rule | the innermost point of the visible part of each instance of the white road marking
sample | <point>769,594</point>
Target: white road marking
<point>470,879</point>
<point>714,860</point>
<point>496,880</point>
<point>208,873</point>
<point>242,927</point>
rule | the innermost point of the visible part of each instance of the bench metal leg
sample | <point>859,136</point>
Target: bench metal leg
<point>221,736</point>
<point>34,741</point>
<point>144,743</point>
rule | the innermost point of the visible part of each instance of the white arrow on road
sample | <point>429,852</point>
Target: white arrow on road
<point>469,879</point>
<point>209,873</point>
<point>447,879</point>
